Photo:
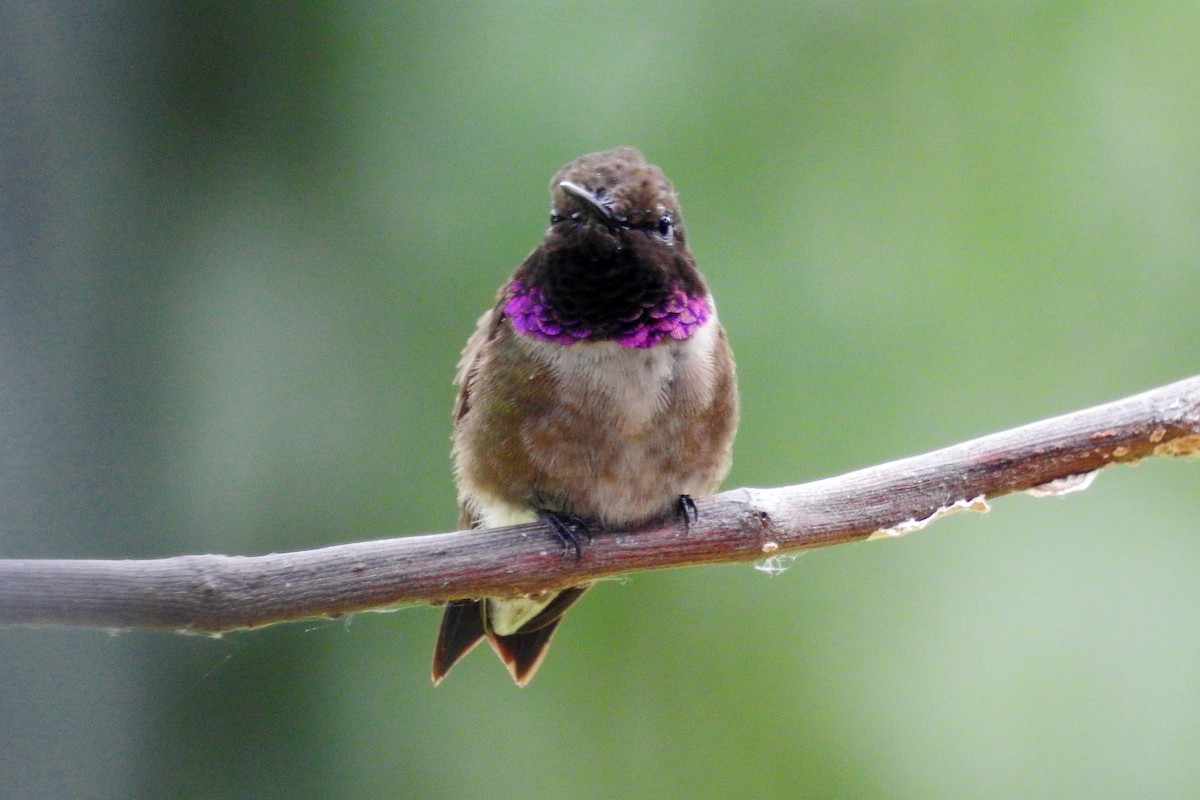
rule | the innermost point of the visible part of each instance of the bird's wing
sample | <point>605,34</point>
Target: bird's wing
<point>486,329</point>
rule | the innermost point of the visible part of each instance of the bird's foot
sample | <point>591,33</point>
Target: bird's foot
<point>569,529</point>
<point>686,507</point>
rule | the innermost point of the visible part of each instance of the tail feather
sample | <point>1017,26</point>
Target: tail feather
<point>462,628</point>
<point>522,653</point>
<point>463,625</point>
<point>554,610</point>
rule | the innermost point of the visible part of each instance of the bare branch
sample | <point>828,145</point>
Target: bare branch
<point>219,593</point>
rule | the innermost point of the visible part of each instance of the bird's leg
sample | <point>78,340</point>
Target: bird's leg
<point>686,507</point>
<point>569,529</point>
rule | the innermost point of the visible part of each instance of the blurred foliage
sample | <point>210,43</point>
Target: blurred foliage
<point>242,244</point>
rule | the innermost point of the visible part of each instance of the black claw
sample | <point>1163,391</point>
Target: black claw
<point>686,508</point>
<point>569,529</point>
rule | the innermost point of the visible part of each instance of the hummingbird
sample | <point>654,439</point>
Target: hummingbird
<point>599,391</point>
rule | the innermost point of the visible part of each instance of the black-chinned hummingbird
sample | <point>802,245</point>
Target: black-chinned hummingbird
<point>600,390</point>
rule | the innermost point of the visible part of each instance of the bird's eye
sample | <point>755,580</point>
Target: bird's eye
<point>664,226</point>
<point>556,218</point>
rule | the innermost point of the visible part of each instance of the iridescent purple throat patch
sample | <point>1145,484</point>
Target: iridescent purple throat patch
<point>675,317</point>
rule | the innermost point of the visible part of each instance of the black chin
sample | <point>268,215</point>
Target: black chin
<point>603,289</point>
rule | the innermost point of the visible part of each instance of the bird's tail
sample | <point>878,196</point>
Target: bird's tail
<point>465,622</point>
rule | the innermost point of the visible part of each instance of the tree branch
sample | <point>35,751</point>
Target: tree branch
<point>219,593</point>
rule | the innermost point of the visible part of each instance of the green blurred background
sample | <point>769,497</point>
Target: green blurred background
<point>242,245</point>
